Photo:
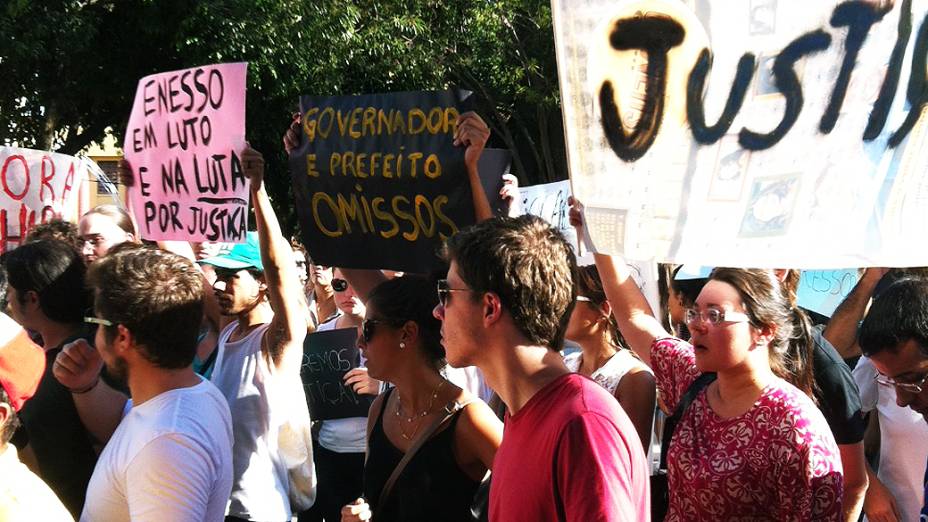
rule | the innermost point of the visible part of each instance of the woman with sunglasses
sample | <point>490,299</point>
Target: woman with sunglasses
<point>402,342</point>
<point>604,359</point>
<point>339,454</point>
<point>750,445</point>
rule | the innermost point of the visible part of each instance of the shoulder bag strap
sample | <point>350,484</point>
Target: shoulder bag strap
<point>671,424</point>
<point>449,412</point>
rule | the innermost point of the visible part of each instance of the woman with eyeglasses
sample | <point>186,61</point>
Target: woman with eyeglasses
<point>750,446</point>
<point>604,359</point>
<point>401,340</point>
<point>339,454</point>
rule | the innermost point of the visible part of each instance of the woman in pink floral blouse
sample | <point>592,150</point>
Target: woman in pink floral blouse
<point>751,446</point>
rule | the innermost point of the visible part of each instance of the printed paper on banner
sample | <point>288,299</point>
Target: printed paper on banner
<point>752,133</point>
<point>37,186</point>
<point>183,143</point>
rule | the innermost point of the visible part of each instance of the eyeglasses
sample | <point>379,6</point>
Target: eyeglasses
<point>368,330</point>
<point>97,321</point>
<point>444,292</point>
<point>584,299</point>
<point>910,387</point>
<point>714,316</point>
<point>339,285</point>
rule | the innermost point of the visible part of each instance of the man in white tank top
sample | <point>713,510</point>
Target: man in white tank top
<point>258,352</point>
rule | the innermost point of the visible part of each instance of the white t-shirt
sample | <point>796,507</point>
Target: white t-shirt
<point>256,394</point>
<point>903,441</point>
<point>170,458</point>
<point>609,374</point>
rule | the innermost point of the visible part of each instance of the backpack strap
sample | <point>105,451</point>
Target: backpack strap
<point>670,425</point>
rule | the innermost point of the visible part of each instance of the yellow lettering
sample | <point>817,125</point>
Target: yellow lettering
<point>355,120</point>
<point>367,121</point>
<point>311,166</point>
<point>416,113</point>
<point>348,164</point>
<point>375,158</point>
<point>387,163</point>
<point>399,125</point>
<point>342,123</point>
<point>414,233</point>
<point>440,202</point>
<point>451,120</point>
<point>435,119</point>
<point>330,112</point>
<point>309,123</point>
<point>334,161</point>
<point>351,212</point>
<point>432,166</point>
<point>385,216</point>
<point>383,119</point>
<point>322,196</point>
<point>414,161</point>
<point>359,165</point>
<point>421,200</point>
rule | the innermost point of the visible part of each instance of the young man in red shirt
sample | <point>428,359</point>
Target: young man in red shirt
<point>569,452</point>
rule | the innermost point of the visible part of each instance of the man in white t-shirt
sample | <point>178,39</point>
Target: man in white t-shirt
<point>170,458</point>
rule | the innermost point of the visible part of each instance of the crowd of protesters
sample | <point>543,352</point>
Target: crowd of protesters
<point>162,382</point>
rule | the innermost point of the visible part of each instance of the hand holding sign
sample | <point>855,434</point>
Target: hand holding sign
<point>253,167</point>
<point>473,133</point>
<point>292,136</point>
<point>361,382</point>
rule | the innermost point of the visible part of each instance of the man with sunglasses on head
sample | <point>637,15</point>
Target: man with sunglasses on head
<point>894,336</point>
<point>259,353</point>
<point>47,295</point>
<point>569,452</point>
<point>170,458</point>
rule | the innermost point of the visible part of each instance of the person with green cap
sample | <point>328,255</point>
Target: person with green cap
<point>258,353</point>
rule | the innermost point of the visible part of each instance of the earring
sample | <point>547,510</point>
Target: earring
<point>402,345</point>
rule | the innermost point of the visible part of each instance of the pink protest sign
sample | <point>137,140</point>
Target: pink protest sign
<point>37,186</point>
<point>185,136</point>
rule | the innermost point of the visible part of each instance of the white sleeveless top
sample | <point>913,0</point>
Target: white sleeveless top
<point>260,485</point>
<point>609,374</point>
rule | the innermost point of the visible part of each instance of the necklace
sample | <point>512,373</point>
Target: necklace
<point>415,416</point>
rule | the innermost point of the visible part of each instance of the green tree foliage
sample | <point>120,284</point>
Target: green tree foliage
<point>70,67</point>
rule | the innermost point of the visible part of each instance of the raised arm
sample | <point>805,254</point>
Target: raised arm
<point>284,340</point>
<point>631,310</point>
<point>473,133</point>
<point>841,330</point>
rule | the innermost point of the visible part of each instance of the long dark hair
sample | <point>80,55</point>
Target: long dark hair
<point>767,303</point>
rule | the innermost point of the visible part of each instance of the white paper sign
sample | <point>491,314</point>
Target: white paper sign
<point>752,133</point>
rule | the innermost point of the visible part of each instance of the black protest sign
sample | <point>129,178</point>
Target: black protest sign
<point>327,357</point>
<point>492,165</point>
<point>377,180</point>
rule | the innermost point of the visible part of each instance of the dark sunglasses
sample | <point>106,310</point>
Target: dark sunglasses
<point>444,292</point>
<point>339,285</point>
<point>368,328</point>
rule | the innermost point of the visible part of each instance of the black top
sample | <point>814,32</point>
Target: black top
<point>836,392</point>
<point>62,446</point>
<point>432,487</point>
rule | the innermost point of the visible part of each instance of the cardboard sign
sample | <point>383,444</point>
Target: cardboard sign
<point>183,143</point>
<point>748,133</point>
<point>37,186</point>
<point>377,180</point>
<point>327,357</point>
<point>823,290</point>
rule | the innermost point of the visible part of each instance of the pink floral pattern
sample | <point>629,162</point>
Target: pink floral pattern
<point>778,461</point>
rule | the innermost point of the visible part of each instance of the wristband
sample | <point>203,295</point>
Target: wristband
<point>87,389</point>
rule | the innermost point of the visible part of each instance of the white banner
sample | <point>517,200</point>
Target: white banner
<point>753,133</point>
<point>37,186</point>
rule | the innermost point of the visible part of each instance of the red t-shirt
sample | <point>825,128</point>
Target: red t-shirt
<point>570,453</point>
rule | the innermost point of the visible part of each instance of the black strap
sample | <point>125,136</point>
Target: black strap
<point>450,410</point>
<point>670,425</point>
